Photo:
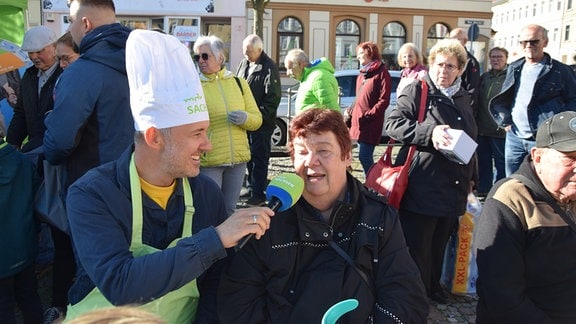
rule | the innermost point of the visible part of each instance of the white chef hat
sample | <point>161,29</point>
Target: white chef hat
<point>165,89</point>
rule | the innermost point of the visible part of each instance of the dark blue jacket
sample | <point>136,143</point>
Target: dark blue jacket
<point>18,231</point>
<point>554,92</point>
<point>99,207</point>
<point>91,123</point>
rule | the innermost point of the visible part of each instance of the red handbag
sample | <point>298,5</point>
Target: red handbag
<point>392,181</point>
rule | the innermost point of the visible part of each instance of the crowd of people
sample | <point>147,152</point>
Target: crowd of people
<point>157,147</point>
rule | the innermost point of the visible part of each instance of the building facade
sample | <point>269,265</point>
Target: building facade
<point>557,16</point>
<point>185,19</point>
<point>322,29</point>
<point>333,30</point>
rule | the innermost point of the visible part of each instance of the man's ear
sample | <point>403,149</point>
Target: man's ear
<point>88,26</point>
<point>536,154</point>
<point>153,137</point>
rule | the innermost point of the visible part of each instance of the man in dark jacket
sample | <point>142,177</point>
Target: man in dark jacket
<point>132,219</point>
<point>526,236</point>
<point>536,88</point>
<point>471,75</point>
<point>264,79</point>
<point>36,88</point>
<point>91,123</point>
<point>34,103</point>
<point>491,138</point>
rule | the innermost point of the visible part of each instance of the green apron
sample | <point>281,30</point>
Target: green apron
<point>177,306</point>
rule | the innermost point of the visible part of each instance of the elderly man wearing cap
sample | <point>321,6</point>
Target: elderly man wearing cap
<point>526,236</point>
<point>34,102</point>
<point>145,227</point>
<point>36,89</point>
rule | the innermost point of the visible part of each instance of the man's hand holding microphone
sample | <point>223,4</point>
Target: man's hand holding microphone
<point>282,193</point>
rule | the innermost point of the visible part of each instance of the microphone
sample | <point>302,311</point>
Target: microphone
<point>282,193</point>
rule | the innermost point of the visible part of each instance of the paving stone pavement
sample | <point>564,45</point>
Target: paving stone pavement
<point>460,309</point>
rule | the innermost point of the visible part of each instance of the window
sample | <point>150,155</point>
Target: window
<point>567,33</point>
<point>290,35</point>
<point>186,30</point>
<point>555,35</point>
<point>534,10</point>
<point>347,38</point>
<point>437,32</point>
<point>393,36</point>
<point>569,4</point>
<point>134,22</point>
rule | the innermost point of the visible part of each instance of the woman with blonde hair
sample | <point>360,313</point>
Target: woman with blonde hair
<point>437,186</point>
<point>412,63</point>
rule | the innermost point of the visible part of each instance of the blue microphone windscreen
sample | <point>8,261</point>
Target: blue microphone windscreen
<point>287,188</point>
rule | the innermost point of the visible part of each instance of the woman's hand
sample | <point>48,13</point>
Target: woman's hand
<point>440,136</point>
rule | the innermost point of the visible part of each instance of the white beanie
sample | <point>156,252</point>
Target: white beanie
<point>165,89</point>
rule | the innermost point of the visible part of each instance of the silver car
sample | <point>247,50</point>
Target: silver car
<point>347,84</point>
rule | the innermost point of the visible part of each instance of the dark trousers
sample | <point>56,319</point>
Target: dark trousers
<point>22,290</point>
<point>260,147</point>
<point>490,154</point>
<point>63,269</point>
<point>426,237</point>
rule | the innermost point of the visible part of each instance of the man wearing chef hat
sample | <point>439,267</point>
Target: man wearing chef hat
<point>148,228</point>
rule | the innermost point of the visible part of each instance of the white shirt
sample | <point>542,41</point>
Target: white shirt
<point>528,77</point>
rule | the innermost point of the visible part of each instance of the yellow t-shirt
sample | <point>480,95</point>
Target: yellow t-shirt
<point>160,195</point>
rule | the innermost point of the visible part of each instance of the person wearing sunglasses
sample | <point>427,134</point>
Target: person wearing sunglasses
<point>536,87</point>
<point>233,112</point>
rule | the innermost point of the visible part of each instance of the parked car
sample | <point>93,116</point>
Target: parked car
<point>347,84</point>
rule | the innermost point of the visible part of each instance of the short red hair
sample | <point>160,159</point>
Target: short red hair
<point>371,49</point>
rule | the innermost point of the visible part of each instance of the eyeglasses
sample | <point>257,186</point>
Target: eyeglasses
<point>204,57</point>
<point>67,58</point>
<point>532,42</point>
<point>447,66</point>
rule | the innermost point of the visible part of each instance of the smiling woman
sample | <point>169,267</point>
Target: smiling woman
<point>437,187</point>
<point>325,246</point>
